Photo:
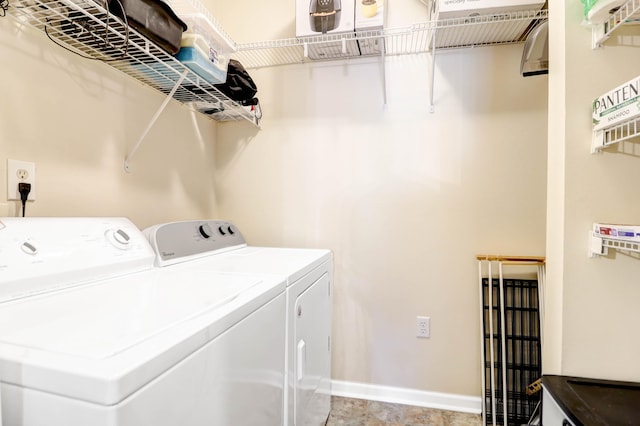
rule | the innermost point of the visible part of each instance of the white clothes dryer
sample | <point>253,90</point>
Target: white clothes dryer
<point>219,246</point>
<point>92,334</point>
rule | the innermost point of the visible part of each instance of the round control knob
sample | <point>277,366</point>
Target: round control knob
<point>118,238</point>
<point>29,248</point>
<point>221,230</point>
<point>205,230</point>
<point>121,237</point>
<point>230,230</point>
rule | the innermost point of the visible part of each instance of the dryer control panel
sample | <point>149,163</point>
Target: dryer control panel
<point>180,241</point>
<point>39,254</point>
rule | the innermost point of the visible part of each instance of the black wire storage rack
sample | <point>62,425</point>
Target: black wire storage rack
<point>522,342</point>
<point>511,342</point>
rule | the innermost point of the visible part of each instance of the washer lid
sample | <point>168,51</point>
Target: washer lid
<point>103,341</point>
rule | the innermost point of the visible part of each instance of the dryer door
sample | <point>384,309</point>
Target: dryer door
<point>312,362</point>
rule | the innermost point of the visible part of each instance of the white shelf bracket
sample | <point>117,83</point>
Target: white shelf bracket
<point>129,156</point>
<point>597,36</point>
<point>596,246</point>
<point>305,48</point>
<point>597,141</point>
<point>344,46</point>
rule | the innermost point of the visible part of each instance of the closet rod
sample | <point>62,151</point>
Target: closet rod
<point>514,259</point>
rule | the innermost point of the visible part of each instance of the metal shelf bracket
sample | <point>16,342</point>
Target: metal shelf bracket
<point>596,246</point>
<point>127,167</point>
<point>432,108</point>
<point>597,141</point>
<point>384,72</point>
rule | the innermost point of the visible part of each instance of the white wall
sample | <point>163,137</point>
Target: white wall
<point>77,119</point>
<point>598,308</point>
<point>403,197</point>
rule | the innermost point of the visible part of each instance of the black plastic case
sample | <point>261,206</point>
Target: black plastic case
<point>154,19</point>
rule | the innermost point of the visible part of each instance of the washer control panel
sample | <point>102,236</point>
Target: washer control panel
<point>45,254</point>
<point>178,241</point>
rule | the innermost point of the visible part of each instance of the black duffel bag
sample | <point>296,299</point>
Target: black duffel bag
<point>239,86</point>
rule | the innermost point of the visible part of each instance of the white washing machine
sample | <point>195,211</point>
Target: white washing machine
<point>219,246</point>
<point>92,334</point>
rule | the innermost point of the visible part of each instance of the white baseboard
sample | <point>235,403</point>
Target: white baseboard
<point>441,401</point>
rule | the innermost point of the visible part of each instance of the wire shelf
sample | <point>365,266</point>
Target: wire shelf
<point>483,30</point>
<point>599,243</point>
<point>622,245</point>
<point>626,14</point>
<point>616,134</point>
<point>89,29</point>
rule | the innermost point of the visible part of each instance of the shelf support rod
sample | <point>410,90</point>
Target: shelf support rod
<point>433,70</point>
<point>128,158</point>
<point>384,71</point>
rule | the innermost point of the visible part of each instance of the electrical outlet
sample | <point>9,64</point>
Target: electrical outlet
<point>423,327</point>
<point>20,171</point>
<point>22,174</point>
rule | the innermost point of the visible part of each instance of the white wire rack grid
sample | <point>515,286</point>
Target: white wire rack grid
<point>613,135</point>
<point>87,27</point>
<point>481,30</point>
<point>621,245</point>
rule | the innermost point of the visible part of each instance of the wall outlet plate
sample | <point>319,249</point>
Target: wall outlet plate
<point>20,171</point>
<point>423,327</point>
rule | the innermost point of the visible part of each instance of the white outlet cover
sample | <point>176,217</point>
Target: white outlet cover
<point>423,327</point>
<point>12,178</point>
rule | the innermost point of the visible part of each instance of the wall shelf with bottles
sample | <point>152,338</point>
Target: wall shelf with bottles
<point>628,13</point>
<point>617,237</point>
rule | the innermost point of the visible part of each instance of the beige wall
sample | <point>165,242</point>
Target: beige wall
<point>403,197</point>
<point>598,309</point>
<point>77,119</point>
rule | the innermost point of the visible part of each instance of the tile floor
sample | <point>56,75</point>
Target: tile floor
<point>358,412</point>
